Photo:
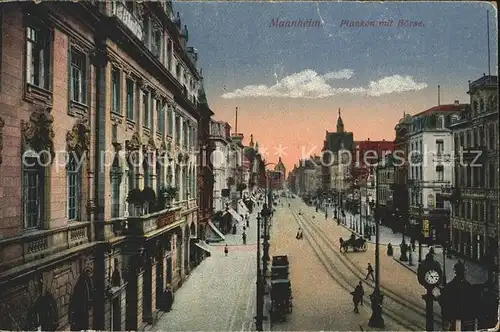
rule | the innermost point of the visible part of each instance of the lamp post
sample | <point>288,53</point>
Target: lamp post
<point>260,295</point>
<point>376,319</point>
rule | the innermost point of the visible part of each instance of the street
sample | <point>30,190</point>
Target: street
<point>220,293</point>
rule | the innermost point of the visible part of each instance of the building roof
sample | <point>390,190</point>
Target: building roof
<point>487,81</point>
<point>443,108</point>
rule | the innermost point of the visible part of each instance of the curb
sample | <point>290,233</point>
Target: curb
<point>403,264</point>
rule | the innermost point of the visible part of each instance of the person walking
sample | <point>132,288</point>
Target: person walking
<point>226,250</point>
<point>244,237</point>
<point>369,269</point>
<point>357,296</point>
<point>169,298</point>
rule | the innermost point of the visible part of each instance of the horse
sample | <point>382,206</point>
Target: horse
<point>356,244</point>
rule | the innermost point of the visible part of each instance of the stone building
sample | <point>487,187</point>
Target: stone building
<point>430,170</point>
<point>97,99</point>
<point>400,186</point>
<point>335,168</point>
<point>474,192</point>
<point>220,135</point>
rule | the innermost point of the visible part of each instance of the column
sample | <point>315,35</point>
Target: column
<point>134,297</point>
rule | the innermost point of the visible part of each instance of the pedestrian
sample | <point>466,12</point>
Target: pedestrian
<point>357,296</point>
<point>413,246</point>
<point>169,298</point>
<point>369,269</point>
<point>326,215</point>
<point>244,237</point>
<point>244,228</point>
<point>390,250</point>
<point>226,250</point>
<point>248,222</point>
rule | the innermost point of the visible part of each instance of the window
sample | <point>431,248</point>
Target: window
<point>157,38</point>
<point>115,194</point>
<point>38,57</point>
<point>145,166</point>
<point>160,116</point>
<point>491,135</point>
<point>131,177</point>
<point>170,115</point>
<point>475,107</point>
<point>184,133</point>
<point>169,55</point>
<point>78,79</point>
<point>481,105</point>
<point>130,99</point>
<point>159,175</point>
<point>115,91</point>
<point>74,173</point>
<point>492,179</point>
<point>439,122</point>
<point>439,147</point>
<point>492,214</point>
<point>33,192</point>
<point>178,130</point>
<point>145,108</point>
<point>440,172</point>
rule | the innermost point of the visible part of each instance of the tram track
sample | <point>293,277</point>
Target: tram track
<point>397,308</point>
<point>353,267</point>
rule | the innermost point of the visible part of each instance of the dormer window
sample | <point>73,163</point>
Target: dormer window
<point>440,122</point>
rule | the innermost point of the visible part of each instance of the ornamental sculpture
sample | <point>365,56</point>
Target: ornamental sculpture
<point>133,144</point>
<point>38,133</point>
<point>2,124</point>
<point>78,139</point>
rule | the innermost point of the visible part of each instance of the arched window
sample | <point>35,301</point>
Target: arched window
<point>33,189</point>
<point>74,173</point>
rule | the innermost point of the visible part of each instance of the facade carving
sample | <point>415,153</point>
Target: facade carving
<point>38,133</point>
<point>78,139</point>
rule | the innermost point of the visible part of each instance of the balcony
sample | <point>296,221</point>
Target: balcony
<point>42,243</point>
<point>120,11</point>
<point>142,225</point>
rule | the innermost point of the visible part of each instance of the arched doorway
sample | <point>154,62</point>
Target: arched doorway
<point>79,306</point>
<point>43,316</point>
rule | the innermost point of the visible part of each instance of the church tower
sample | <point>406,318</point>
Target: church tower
<point>340,124</point>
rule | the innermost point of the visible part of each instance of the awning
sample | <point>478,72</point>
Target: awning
<point>203,246</point>
<point>235,214</point>
<point>242,207</point>
<point>216,231</point>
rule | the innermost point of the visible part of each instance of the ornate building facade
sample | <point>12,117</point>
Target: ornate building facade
<point>99,101</point>
<point>474,193</point>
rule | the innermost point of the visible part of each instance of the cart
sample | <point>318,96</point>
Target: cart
<point>279,272</point>
<point>281,296</point>
<point>280,260</point>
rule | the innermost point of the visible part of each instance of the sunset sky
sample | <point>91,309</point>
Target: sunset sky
<point>290,82</point>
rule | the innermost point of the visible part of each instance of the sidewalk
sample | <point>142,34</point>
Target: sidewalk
<point>220,293</point>
<point>475,273</point>
<point>235,239</point>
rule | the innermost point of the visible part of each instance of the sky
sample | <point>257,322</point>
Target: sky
<point>289,82</point>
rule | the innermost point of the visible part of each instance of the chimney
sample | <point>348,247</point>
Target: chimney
<point>457,103</point>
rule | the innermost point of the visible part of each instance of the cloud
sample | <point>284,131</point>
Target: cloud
<point>308,84</point>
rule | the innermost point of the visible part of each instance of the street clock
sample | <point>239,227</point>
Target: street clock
<point>429,272</point>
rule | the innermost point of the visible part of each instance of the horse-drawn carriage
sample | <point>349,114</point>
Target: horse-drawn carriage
<point>281,288</point>
<point>357,244</point>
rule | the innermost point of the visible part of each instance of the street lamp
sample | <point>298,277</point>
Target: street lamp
<point>376,319</point>
<point>260,296</point>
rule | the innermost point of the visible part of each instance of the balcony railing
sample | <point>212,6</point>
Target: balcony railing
<point>29,247</point>
<point>142,225</point>
<point>119,10</point>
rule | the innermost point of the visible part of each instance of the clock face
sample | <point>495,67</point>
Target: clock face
<point>432,277</point>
